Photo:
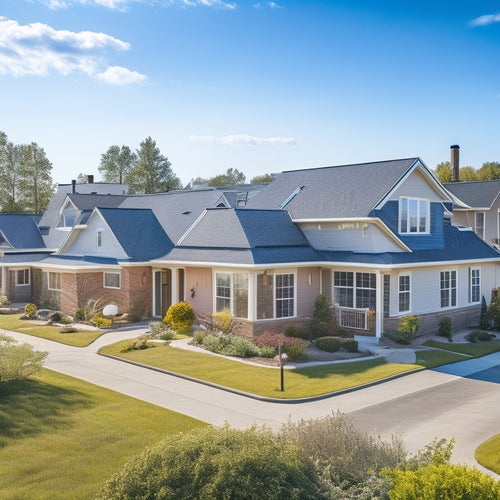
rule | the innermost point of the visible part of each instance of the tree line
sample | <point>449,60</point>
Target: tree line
<point>488,171</point>
<point>25,177</point>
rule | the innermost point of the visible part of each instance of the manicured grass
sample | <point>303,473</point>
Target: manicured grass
<point>488,454</point>
<point>299,383</point>
<point>82,338</point>
<point>62,438</point>
<point>476,350</point>
<point>431,359</point>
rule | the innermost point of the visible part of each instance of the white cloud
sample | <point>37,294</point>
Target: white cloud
<point>234,139</point>
<point>271,5</point>
<point>116,75</point>
<point>38,49</point>
<point>486,20</point>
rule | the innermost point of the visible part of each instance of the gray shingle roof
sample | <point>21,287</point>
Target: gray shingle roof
<point>90,201</point>
<point>176,211</point>
<point>21,231</point>
<point>476,194</point>
<point>341,191</point>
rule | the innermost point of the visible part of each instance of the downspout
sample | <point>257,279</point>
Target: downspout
<point>379,306</point>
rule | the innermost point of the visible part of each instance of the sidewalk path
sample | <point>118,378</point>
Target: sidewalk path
<point>420,406</point>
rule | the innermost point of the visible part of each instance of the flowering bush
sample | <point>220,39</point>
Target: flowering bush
<point>30,310</point>
<point>180,316</point>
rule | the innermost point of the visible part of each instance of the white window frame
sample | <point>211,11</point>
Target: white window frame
<point>419,201</point>
<point>294,298</point>
<point>450,288</point>
<point>112,273</point>
<point>354,287</point>
<point>24,281</point>
<point>474,282</point>
<point>476,224</point>
<point>99,238</point>
<point>405,292</point>
<point>231,292</point>
<point>49,273</point>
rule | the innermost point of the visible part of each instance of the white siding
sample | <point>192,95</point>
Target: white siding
<point>358,236</point>
<point>416,186</point>
<point>85,242</point>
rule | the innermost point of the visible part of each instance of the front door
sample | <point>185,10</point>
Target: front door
<point>163,291</point>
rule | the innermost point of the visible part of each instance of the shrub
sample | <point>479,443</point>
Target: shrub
<point>55,317</point>
<point>296,352</point>
<point>101,322</point>
<point>477,335</point>
<point>220,463</point>
<point>136,312</point>
<point>138,345</point>
<point>270,339</point>
<point>93,307</point>
<point>443,481</point>
<point>4,301</point>
<point>223,321</point>
<point>444,328</point>
<point>30,310</point>
<point>199,337</point>
<point>66,320</point>
<point>484,321</point>
<point>299,333</point>
<point>408,324</point>
<point>343,454</point>
<point>322,321</point>
<point>160,330</point>
<point>494,310</point>
<point>230,345</point>
<point>268,352</point>
<point>80,314</point>
<point>400,337</point>
<point>334,344</point>
<point>180,316</point>
<point>18,361</point>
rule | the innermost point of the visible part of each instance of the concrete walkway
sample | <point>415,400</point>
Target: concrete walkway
<point>433,400</point>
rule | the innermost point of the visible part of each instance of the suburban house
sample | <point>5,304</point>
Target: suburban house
<point>375,238</point>
<point>482,212</point>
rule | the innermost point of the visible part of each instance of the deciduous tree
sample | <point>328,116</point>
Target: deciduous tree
<point>231,177</point>
<point>117,164</point>
<point>10,160</point>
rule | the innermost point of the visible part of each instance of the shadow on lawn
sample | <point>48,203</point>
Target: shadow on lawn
<point>342,369</point>
<point>30,407</point>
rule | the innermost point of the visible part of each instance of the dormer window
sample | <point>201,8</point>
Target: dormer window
<point>66,221</point>
<point>413,216</point>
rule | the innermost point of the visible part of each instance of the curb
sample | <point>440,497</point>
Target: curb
<point>264,398</point>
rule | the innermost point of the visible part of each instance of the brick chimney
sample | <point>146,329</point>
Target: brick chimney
<point>90,178</point>
<point>455,163</point>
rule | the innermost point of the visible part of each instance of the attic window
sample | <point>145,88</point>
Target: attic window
<point>99,238</point>
<point>66,221</point>
<point>413,216</point>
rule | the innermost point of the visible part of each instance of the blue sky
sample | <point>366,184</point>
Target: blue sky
<point>254,85</point>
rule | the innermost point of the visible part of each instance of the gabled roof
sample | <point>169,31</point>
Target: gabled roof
<point>90,201</point>
<point>138,232</point>
<point>476,194</point>
<point>20,231</point>
<point>344,191</point>
<point>243,236</point>
<point>176,211</point>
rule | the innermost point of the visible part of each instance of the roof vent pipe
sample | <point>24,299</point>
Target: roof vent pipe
<point>455,163</point>
<point>73,186</point>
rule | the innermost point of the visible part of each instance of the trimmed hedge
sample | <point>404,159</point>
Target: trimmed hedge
<point>334,344</point>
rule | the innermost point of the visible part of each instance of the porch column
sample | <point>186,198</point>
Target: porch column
<point>252,296</point>
<point>4,281</point>
<point>379,306</point>
<point>174,286</point>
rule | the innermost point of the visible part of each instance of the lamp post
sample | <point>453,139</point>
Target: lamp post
<point>283,357</point>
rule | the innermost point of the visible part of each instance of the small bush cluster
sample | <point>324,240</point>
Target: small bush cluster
<point>18,361</point>
<point>138,345</point>
<point>404,338</point>
<point>223,321</point>
<point>101,322</point>
<point>445,328</point>
<point>160,330</point>
<point>409,324</point>
<point>298,333</point>
<point>136,312</point>
<point>30,310</point>
<point>230,345</point>
<point>494,310</point>
<point>4,301</point>
<point>93,307</point>
<point>293,347</point>
<point>80,314</point>
<point>334,344</point>
<point>268,352</point>
<point>180,316</point>
<point>479,336</point>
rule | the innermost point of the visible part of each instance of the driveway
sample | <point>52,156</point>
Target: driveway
<point>460,400</point>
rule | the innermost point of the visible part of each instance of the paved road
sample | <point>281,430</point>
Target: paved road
<point>461,400</point>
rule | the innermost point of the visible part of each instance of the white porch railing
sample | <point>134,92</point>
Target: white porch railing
<point>352,318</point>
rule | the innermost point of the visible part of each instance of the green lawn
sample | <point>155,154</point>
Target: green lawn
<point>488,454</point>
<point>431,359</point>
<point>62,438</point>
<point>13,323</point>
<point>476,350</point>
<point>299,383</point>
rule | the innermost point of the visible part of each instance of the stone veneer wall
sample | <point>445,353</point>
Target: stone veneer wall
<point>466,317</point>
